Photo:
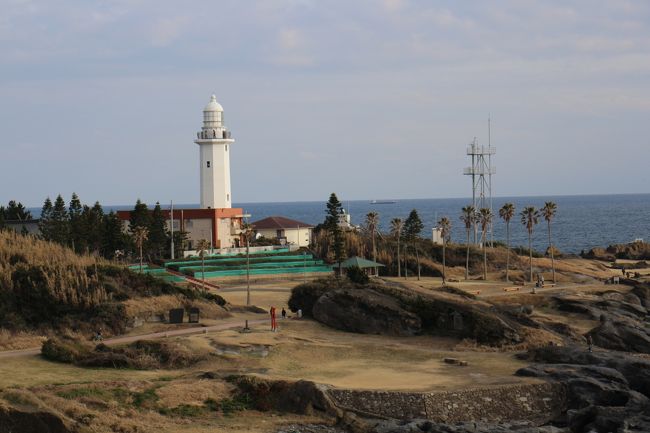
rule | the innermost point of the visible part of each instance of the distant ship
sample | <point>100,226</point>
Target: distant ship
<point>383,201</point>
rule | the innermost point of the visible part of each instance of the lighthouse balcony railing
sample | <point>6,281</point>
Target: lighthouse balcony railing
<point>213,135</point>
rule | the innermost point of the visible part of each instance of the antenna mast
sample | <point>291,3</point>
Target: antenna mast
<point>481,172</point>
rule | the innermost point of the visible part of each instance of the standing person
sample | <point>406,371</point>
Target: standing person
<point>274,324</point>
<point>284,313</point>
<point>590,343</point>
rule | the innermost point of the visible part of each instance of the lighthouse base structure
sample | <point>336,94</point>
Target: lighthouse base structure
<point>220,227</point>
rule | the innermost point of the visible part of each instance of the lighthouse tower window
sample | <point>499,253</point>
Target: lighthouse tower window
<point>208,164</point>
<point>226,148</point>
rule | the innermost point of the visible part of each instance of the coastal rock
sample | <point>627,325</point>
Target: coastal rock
<point>365,311</point>
<point>422,425</point>
<point>634,369</point>
<point>606,391</point>
<point>630,335</point>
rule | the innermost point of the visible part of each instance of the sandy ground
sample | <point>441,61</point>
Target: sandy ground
<point>305,349</point>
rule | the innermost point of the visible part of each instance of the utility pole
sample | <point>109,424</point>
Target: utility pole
<point>248,267</point>
<point>171,214</point>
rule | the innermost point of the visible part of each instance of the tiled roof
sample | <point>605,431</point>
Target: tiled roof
<point>278,222</point>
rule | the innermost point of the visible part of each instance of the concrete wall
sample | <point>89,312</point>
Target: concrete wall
<point>539,403</point>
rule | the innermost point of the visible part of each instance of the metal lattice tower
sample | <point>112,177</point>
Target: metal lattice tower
<point>481,172</point>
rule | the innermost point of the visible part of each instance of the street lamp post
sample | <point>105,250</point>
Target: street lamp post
<point>304,266</point>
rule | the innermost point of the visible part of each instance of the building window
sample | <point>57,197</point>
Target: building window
<point>227,197</point>
<point>226,148</point>
<point>208,164</point>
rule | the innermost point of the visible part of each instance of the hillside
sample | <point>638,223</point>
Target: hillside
<point>46,287</point>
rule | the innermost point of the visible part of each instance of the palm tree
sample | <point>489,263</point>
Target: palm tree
<point>445,226</point>
<point>140,236</point>
<point>202,247</point>
<point>485,219</point>
<point>530,217</point>
<point>548,212</point>
<point>396,226</point>
<point>372,222</point>
<point>506,213</point>
<point>468,217</point>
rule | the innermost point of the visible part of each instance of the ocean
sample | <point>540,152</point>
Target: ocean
<point>582,222</point>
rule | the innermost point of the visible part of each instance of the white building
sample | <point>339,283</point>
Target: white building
<point>214,142</point>
<point>286,230</point>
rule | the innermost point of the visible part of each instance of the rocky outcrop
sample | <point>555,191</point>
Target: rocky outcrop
<point>19,421</point>
<point>365,311</point>
<point>631,251</point>
<point>427,426</point>
<point>621,335</point>
<point>391,309</point>
<point>622,317</point>
<point>606,391</point>
<point>301,397</point>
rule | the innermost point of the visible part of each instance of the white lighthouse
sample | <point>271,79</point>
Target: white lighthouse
<point>214,146</point>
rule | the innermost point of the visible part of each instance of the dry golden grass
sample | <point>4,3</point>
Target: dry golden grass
<point>19,340</point>
<point>64,272</point>
<point>146,307</point>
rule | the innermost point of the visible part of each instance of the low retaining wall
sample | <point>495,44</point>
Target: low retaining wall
<point>538,403</point>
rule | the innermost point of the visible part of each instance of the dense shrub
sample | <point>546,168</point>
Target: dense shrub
<point>64,349</point>
<point>357,275</point>
<point>141,355</point>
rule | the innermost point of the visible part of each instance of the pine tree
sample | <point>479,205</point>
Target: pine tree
<point>60,222</point>
<point>45,223</point>
<point>140,216</point>
<point>2,217</point>
<point>15,211</point>
<point>113,238</point>
<point>158,232</point>
<point>77,238</point>
<point>93,221</point>
<point>334,209</point>
<point>412,228</point>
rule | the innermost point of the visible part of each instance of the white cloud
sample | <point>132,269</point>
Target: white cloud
<point>164,31</point>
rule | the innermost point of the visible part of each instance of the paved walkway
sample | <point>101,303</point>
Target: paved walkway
<point>131,338</point>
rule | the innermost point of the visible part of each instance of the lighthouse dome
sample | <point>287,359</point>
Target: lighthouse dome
<point>213,105</point>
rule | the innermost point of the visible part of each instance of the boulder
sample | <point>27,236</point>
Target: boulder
<point>365,311</point>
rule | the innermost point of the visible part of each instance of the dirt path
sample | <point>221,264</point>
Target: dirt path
<point>130,339</point>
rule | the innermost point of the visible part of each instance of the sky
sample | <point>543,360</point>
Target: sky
<point>368,99</point>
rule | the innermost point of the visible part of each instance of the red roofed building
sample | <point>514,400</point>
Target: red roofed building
<point>284,229</point>
<point>221,227</point>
